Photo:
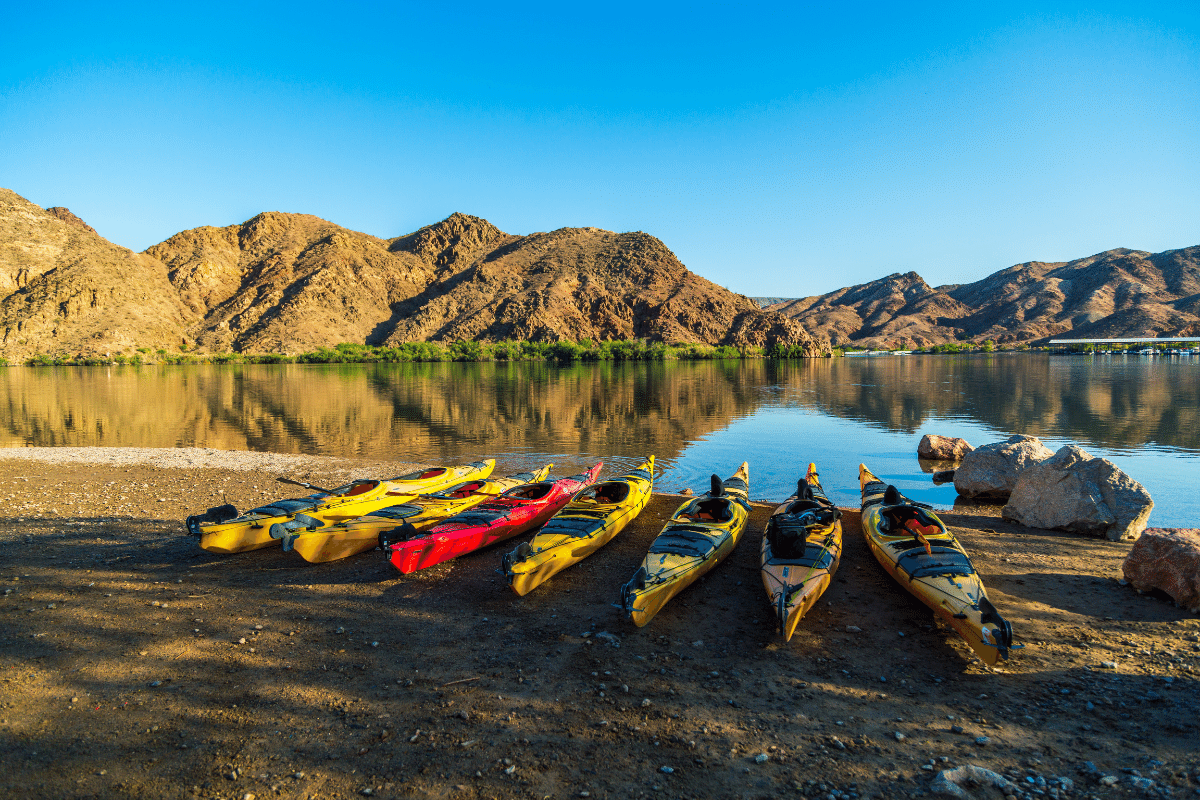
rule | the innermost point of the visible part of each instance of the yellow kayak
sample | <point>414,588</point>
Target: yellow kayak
<point>801,548</point>
<point>584,525</point>
<point>331,542</point>
<point>699,536</point>
<point>915,548</point>
<point>223,530</point>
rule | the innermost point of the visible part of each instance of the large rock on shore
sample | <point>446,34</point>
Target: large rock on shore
<point>991,471</point>
<point>942,448</point>
<point>1073,491</point>
<point>1167,559</point>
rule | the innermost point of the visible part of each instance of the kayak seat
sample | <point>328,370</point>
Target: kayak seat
<point>713,510</point>
<point>896,517</point>
<point>282,508</point>
<point>423,474</point>
<point>530,491</point>
<point>916,563</point>
<point>800,506</point>
<point>457,491</point>
<point>608,493</point>
<point>398,511</point>
<point>360,487</point>
<point>684,540</point>
<point>570,526</point>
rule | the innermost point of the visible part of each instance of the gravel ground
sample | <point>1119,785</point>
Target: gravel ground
<point>133,664</point>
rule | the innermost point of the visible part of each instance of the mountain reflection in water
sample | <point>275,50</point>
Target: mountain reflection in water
<point>696,417</point>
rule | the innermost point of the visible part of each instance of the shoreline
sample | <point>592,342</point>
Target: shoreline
<point>194,458</point>
<point>135,664</point>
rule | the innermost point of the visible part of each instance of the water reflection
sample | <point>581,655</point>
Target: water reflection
<point>1120,403</point>
<point>404,411</point>
<point>696,417</point>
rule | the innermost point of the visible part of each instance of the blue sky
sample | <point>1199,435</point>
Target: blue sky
<point>779,150</point>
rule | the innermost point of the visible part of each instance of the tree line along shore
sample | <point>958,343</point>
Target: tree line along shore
<point>468,350</point>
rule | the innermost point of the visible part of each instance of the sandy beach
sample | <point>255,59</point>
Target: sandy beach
<point>135,665</point>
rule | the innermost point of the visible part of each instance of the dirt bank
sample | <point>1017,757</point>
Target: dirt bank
<point>135,665</point>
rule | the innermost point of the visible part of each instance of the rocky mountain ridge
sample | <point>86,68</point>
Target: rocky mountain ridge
<point>65,288</point>
<point>1117,293</point>
<point>289,283</point>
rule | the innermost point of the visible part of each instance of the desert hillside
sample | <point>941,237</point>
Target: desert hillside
<point>1118,293</point>
<point>64,288</point>
<point>289,283</point>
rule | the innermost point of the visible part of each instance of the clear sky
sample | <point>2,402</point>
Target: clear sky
<point>779,150</point>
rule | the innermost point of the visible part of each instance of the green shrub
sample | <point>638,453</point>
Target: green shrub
<point>469,350</point>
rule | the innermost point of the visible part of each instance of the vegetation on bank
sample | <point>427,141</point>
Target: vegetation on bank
<point>468,350</point>
<point>472,351</point>
<point>986,346</point>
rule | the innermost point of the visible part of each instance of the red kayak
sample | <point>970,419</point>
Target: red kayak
<point>512,513</point>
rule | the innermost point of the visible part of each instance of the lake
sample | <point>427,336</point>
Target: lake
<point>697,418</point>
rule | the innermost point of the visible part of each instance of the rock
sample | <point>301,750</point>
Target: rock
<point>991,470</point>
<point>761,758</point>
<point>1167,559</point>
<point>942,448</point>
<point>949,782</point>
<point>944,476</point>
<point>63,213</point>
<point>1073,491</point>
<point>853,629</point>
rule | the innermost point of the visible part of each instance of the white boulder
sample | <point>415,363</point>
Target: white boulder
<point>1073,491</point>
<point>942,448</point>
<point>991,471</point>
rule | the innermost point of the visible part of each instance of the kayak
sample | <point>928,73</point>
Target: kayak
<point>801,548</point>
<point>512,513</point>
<point>343,539</point>
<point>700,534</point>
<point>913,545</point>
<point>584,525</point>
<point>223,530</point>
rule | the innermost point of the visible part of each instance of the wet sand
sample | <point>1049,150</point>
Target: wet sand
<point>133,664</point>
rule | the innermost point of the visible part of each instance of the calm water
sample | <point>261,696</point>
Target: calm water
<point>697,418</point>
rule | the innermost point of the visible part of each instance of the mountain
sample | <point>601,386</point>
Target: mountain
<point>1118,293</point>
<point>288,283</point>
<point>577,283</point>
<point>64,288</point>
